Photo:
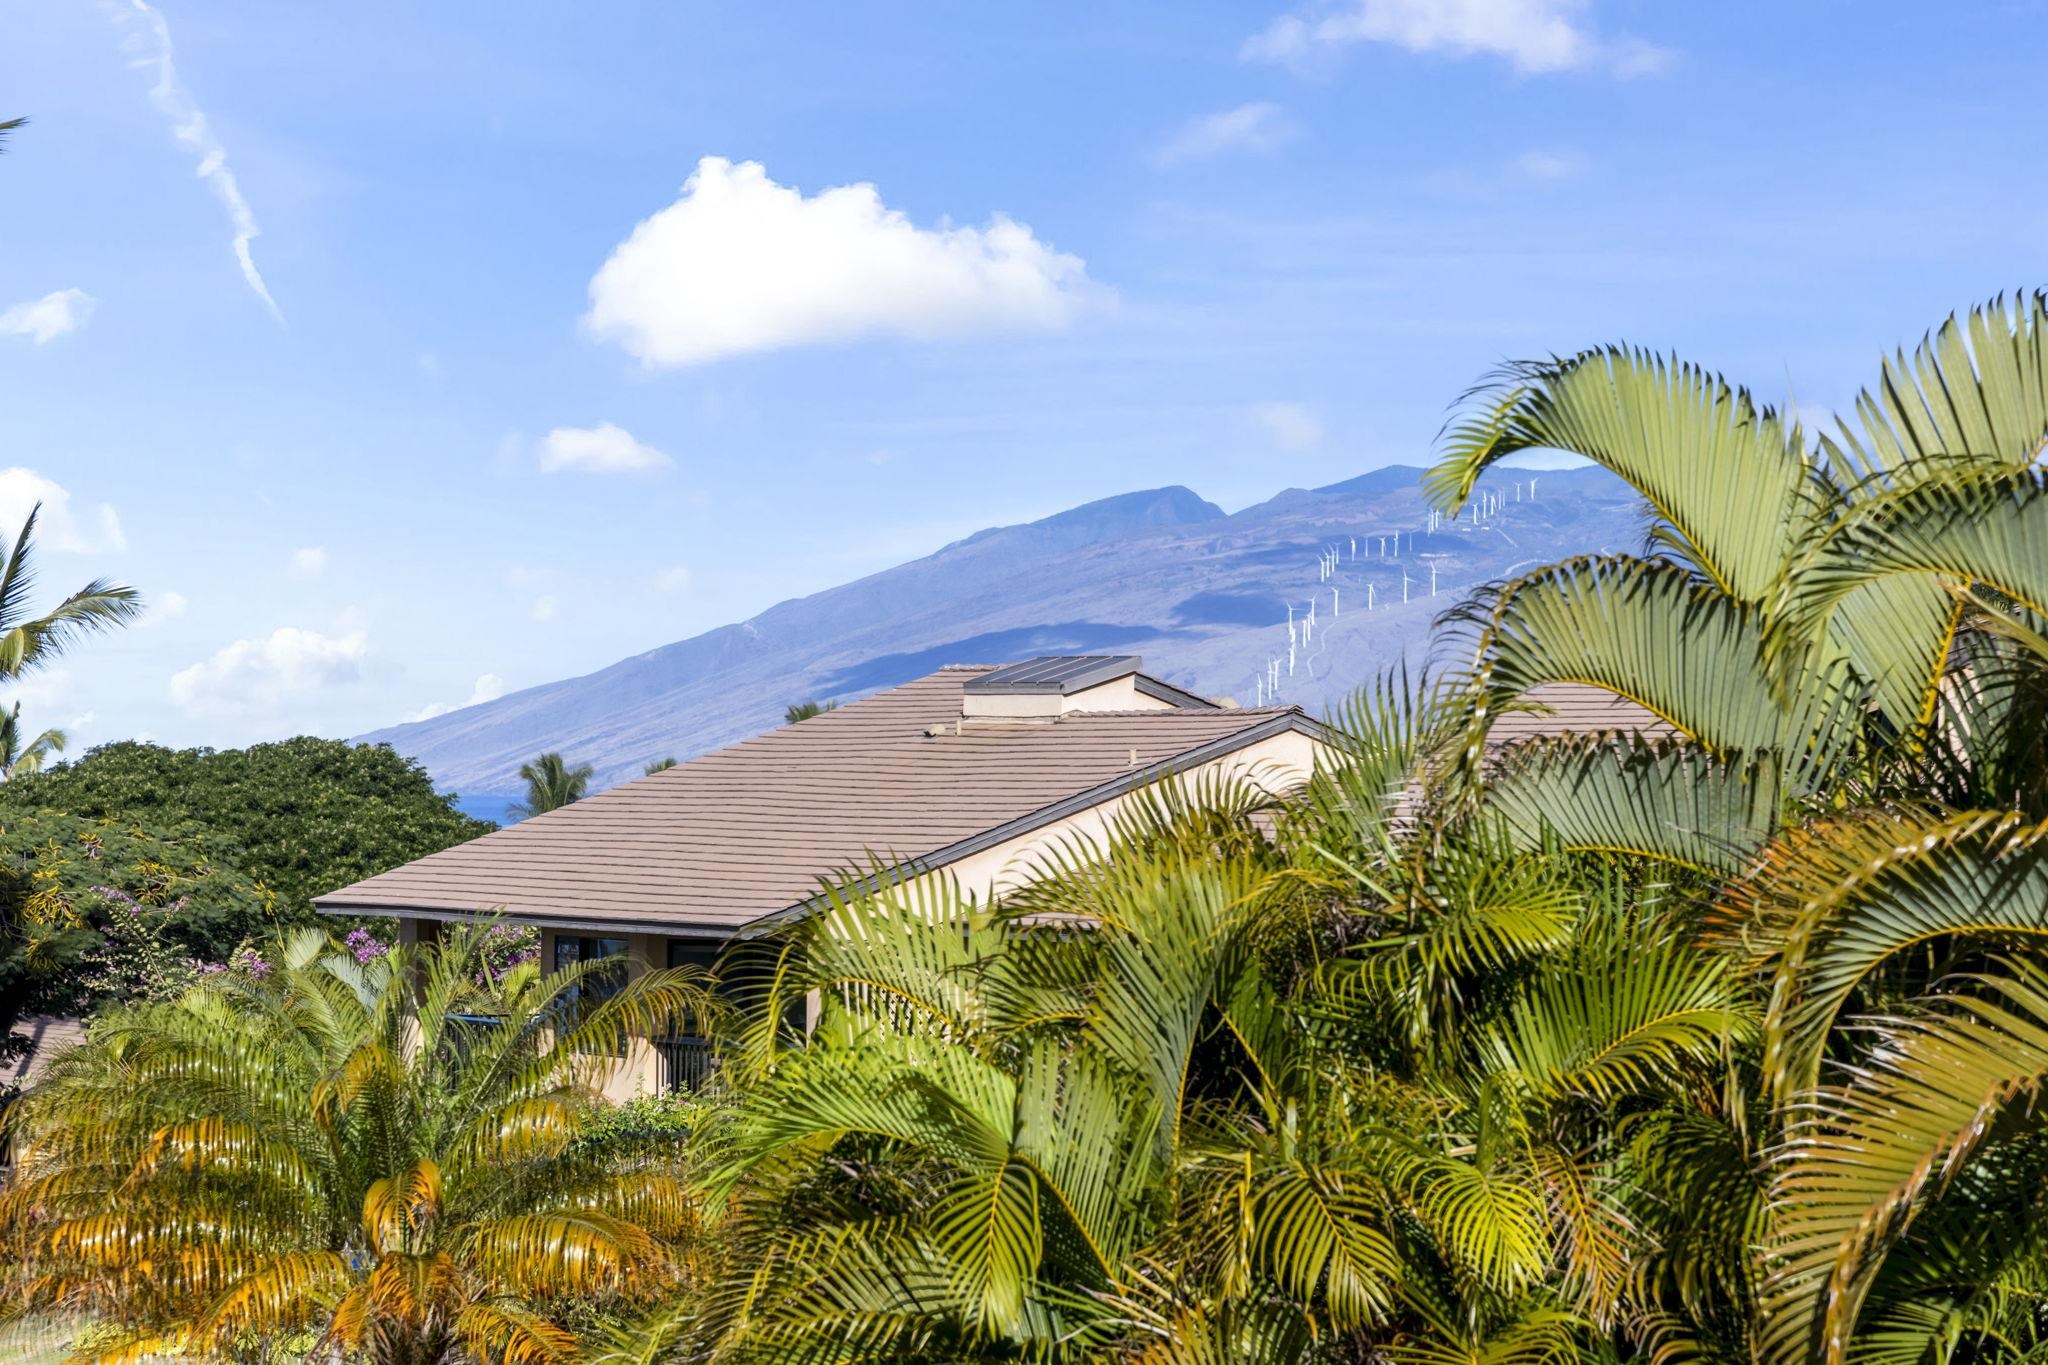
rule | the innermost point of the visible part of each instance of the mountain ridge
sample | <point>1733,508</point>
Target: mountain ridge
<point>1206,595</point>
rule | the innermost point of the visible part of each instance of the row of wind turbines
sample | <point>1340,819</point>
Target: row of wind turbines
<point>1487,506</point>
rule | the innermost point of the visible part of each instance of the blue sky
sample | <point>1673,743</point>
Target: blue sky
<point>496,399</point>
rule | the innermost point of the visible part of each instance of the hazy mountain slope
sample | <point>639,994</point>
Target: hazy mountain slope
<point>1203,596</point>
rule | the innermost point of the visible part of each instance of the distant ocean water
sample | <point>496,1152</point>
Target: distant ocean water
<point>496,809</point>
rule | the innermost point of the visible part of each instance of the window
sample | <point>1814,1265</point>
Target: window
<point>599,986</point>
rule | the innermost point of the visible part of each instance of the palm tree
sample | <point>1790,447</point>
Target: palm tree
<point>659,765</point>
<point>804,710</point>
<point>551,784</point>
<point>339,1157</point>
<point>28,643</point>
<point>18,756</point>
<point>1723,1048</point>
<point>1190,1134</point>
<point>1849,634</point>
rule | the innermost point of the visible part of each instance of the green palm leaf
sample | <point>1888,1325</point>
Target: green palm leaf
<point>1727,479</point>
<point>1833,904</point>
<point>1975,392</point>
<point>1939,1090</point>
<point>1667,802</point>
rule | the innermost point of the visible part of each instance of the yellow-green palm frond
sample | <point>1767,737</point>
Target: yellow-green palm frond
<point>1632,1011</point>
<point>580,1253</point>
<point>277,1295</point>
<point>1652,634</point>
<point>1974,393</point>
<point>1954,534</point>
<point>1943,1089</point>
<point>1833,904</point>
<point>1727,478</point>
<point>503,1334</point>
<point>1669,802</point>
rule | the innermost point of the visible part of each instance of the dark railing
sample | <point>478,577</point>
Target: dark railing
<point>465,1029</point>
<point>686,1063</point>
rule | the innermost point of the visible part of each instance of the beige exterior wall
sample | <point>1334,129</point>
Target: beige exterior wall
<point>639,1071</point>
<point>1118,694</point>
<point>1278,765</point>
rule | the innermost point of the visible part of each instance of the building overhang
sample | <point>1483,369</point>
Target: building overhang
<point>889,868</point>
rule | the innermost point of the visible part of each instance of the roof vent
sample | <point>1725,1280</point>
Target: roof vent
<point>1059,674</point>
<point>1050,687</point>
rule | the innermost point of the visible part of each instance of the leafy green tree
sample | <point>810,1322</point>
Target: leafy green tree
<point>551,784</point>
<point>804,710</point>
<point>71,872</point>
<point>659,765</point>
<point>301,816</point>
<point>339,1159</point>
<point>99,910</point>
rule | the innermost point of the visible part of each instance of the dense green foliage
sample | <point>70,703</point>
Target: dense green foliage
<point>302,816</point>
<point>1723,1045</point>
<point>104,909</point>
<point>320,1156</point>
<point>1720,1047</point>
<point>32,953</point>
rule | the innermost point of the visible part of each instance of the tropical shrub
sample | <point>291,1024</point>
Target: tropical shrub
<point>99,909</point>
<point>1722,1046</point>
<point>322,1157</point>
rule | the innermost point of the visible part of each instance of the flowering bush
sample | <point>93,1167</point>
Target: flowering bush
<point>366,946</point>
<point>109,910</point>
<point>507,946</point>
<point>137,957</point>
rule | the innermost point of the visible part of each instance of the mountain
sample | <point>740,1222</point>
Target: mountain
<point>1204,595</point>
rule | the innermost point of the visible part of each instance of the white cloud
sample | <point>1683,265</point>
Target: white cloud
<point>1290,426</point>
<point>740,264</point>
<point>49,317</point>
<point>310,562</point>
<point>489,687</point>
<point>675,579</point>
<point>61,527</point>
<point>1535,36</point>
<point>1551,164</point>
<point>263,672</point>
<point>152,43</point>
<point>1537,169</point>
<point>1259,127</point>
<point>545,608</point>
<point>159,607</point>
<point>602,449</point>
<point>38,692</point>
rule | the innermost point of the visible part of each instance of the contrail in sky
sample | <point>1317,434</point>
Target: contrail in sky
<point>189,126</point>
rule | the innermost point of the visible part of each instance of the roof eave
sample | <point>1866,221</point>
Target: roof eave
<point>1292,721</point>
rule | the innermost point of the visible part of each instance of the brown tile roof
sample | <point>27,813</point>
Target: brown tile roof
<point>747,831</point>
<point>1576,708</point>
